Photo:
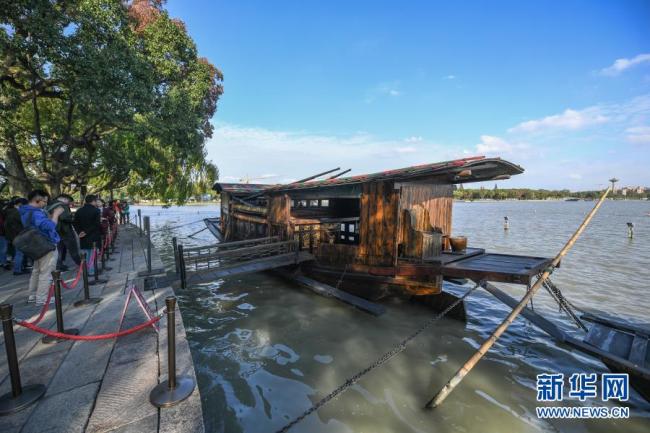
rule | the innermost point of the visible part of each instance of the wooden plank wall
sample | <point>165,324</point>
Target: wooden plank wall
<point>378,224</point>
<point>279,215</point>
<point>435,199</point>
<point>225,202</point>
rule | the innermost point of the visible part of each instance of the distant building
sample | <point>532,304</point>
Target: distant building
<point>633,190</point>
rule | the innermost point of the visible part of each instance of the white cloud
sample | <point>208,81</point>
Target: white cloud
<point>620,65</point>
<point>569,119</point>
<point>406,149</point>
<point>391,89</point>
<point>449,77</point>
<point>575,176</point>
<point>638,135</point>
<point>413,139</point>
<point>239,151</point>
<point>495,145</point>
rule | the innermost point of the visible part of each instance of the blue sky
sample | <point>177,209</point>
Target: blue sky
<point>561,88</point>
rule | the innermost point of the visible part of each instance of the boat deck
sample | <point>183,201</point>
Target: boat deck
<point>505,268</point>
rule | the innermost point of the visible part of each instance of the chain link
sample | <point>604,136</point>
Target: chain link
<point>563,303</point>
<point>397,349</point>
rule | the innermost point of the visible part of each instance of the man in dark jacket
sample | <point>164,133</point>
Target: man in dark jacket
<point>87,222</point>
<point>13,226</point>
<point>65,229</point>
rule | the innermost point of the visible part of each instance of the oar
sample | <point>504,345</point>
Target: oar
<point>467,367</point>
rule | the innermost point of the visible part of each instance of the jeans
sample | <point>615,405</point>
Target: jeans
<point>90,266</point>
<point>39,282</point>
<point>18,260</point>
<point>3,250</point>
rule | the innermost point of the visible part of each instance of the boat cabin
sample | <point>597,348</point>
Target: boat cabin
<point>387,231</point>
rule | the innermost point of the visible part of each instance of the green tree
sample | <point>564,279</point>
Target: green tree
<point>96,94</point>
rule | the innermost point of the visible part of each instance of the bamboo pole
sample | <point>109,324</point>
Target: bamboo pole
<point>467,367</point>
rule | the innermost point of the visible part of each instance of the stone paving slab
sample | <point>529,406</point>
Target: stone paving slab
<point>99,386</point>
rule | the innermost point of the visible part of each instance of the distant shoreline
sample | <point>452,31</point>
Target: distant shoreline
<point>491,200</point>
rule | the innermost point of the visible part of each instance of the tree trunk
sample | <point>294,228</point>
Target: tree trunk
<point>55,188</point>
<point>19,183</point>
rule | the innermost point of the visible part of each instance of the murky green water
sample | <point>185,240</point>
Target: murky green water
<point>265,350</point>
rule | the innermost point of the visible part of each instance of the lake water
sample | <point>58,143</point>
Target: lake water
<point>265,350</point>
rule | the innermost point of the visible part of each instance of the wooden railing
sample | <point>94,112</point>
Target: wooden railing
<point>229,253</point>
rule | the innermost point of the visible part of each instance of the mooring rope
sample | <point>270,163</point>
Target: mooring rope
<point>563,303</point>
<point>396,350</point>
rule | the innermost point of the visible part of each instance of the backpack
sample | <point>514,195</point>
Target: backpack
<point>32,242</point>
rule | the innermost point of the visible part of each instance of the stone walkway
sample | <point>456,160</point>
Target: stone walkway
<point>99,386</point>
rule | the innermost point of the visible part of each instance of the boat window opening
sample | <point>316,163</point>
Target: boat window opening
<point>313,203</point>
<point>325,203</point>
<point>293,203</point>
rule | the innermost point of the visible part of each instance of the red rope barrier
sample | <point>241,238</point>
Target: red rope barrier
<point>55,334</point>
<point>76,279</point>
<point>50,292</point>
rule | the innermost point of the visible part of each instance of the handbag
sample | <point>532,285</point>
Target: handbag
<point>32,242</point>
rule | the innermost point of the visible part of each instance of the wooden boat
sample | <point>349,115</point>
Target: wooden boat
<point>621,346</point>
<point>213,225</point>
<point>384,234</point>
<point>378,234</point>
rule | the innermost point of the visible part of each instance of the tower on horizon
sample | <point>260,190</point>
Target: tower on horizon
<point>613,181</point>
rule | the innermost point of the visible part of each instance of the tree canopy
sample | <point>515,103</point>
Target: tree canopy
<point>103,94</point>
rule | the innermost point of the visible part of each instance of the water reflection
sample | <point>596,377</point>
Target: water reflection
<point>266,350</point>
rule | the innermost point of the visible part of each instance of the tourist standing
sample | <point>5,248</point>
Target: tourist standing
<point>33,215</point>
<point>118,210</point>
<point>126,210</point>
<point>69,240</point>
<point>87,222</point>
<point>13,226</point>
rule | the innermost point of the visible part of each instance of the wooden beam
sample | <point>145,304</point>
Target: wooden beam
<point>332,292</point>
<point>250,218</point>
<point>545,325</point>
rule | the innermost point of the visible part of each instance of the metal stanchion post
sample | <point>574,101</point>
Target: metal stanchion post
<point>147,227</point>
<point>181,267</point>
<point>96,279</point>
<point>104,258</point>
<point>175,246</point>
<point>140,221</point>
<point>20,397</point>
<point>149,271</point>
<point>87,300</point>
<point>56,276</point>
<point>176,388</point>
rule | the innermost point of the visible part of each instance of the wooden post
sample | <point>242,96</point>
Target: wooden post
<point>175,247</point>
<point>181,266</point>
<point>467,367</point>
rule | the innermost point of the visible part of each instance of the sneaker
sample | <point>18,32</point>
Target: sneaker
<point>42,302</point>
<point>31,299</point>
